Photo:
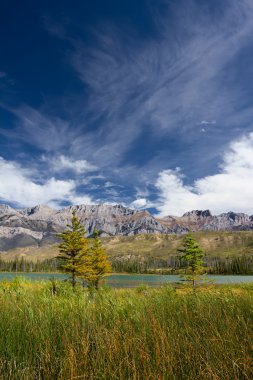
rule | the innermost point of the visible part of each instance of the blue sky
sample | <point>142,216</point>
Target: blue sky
<point>145,103</point>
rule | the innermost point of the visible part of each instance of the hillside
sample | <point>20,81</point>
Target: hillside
<point>162,246</point>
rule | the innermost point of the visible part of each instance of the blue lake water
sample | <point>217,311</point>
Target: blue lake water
<point>132,280</point>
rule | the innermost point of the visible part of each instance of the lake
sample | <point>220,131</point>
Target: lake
<point>133,280</point>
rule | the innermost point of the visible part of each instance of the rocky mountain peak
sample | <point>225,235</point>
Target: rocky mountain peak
<point>5,209</point>
<point>236,218</point>
<point>198,214</point>
<point>233,215</point>
<point>39,211</point>
<point>124,210</point>
<point>101,210</point>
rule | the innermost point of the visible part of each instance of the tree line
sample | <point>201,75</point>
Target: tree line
<point>213,265</point>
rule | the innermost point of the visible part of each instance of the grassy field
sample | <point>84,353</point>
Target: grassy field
<point>142,333</point>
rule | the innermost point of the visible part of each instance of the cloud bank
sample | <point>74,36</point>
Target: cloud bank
<point>18,187</point>
<point>230,189</point>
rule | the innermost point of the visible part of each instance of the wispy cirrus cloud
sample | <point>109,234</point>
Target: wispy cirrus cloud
<point>206,122</point>
<point>160,85</point>
<point>160,89</point>
<point>171,80</point>
<point>35,127</point>
<point>145,98</point>
<point>62,163</point>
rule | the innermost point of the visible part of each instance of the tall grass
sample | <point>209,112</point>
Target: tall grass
<point>140,334</point>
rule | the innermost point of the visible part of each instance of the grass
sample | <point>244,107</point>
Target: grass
<point>142,333</point>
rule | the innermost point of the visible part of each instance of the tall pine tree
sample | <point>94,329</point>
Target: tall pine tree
<point>192,258</point>
<point>73,249</point>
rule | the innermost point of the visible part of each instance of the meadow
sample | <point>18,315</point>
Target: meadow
<point>49,332</point>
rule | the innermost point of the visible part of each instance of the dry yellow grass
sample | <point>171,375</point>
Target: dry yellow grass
<point>125,334</point>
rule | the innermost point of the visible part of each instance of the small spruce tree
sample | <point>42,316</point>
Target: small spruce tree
<point>95,264</point>
<point>73,249</point>
<point>192,258</point>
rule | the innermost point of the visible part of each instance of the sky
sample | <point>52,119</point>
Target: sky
<point>145,103</point>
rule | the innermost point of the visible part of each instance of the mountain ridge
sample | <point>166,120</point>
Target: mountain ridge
<point>40,224</point>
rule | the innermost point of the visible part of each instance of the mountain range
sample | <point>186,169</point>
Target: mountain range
<point>40,224</point>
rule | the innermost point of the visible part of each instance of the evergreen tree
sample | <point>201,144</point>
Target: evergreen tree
<point>95,264</point>
<point>73,249</point>
<point>192,258</point>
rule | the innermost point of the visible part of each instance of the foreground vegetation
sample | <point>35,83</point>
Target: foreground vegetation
<point>49,332</point>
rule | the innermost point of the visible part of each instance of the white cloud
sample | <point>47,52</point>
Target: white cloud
<point>89,179</point>
<point>205,122</point>
<point>62,163</point>
<point>17,186</point>
<point>80,199</point>
<point>139,203</point>
<point>230,189</point>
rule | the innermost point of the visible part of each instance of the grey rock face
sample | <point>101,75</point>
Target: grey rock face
<point>197,214</point>
<point>198,220</point>
<point>5,209</point>
<point>232,221</point>
<point>37,212</point>
<point>39,225</point>
<point>110,220</point>
<point>18,237</point>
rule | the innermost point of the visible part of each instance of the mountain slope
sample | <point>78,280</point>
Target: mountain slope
<point>222,245</point>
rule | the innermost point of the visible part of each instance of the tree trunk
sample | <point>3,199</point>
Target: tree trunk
<point>73,280</point>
